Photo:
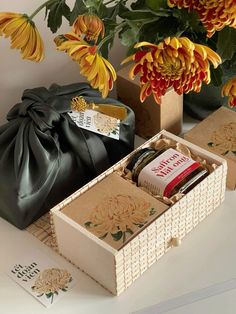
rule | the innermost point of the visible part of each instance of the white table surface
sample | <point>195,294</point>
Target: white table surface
<point>207,256</point>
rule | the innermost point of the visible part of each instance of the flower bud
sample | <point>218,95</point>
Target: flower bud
<point>89,25</point>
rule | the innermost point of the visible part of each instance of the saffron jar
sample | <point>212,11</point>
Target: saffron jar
<point>165,172</point>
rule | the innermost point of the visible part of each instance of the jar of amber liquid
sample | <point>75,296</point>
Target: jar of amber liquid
<point>165,172</point>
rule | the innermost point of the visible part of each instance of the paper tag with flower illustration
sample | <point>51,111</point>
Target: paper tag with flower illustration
<point>41,277</point>
<point>97,122</point>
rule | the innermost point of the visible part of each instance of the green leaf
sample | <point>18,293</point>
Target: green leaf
<point>152,211</point>
<point>122,8</point>
<point>140,15</point>
<point>112,12</point>
<point>88,224</point>
<point>225,153</point>
<point>97,7</point>
<point>49,295</point>
<point>109,28</point>
<point>157,30</point>
<point>226,43</point>
<point>138,5</point>
<point>139,225</point>
<point>66,11</point>
<point>103,237</point>
<point>129,231</point>
<point>129,37</point>
<point>117,236</point>
<point>92,3</point>
<point>64,290</point>
<point>156,5</point>
<point>216,75</point>
<point>210,144</point>
<point>57,10</point>
<point>188,21</point>
<point>79,9</point>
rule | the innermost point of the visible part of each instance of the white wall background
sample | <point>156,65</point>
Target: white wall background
<point>17,74</point>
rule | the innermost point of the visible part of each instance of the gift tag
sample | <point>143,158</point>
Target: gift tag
<point>97,122</point>
<point>41,277</point>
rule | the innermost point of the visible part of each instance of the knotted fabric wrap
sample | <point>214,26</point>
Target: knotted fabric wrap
<point>44,156</point>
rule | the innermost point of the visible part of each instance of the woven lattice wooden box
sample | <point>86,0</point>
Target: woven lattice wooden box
<point>117,269</point>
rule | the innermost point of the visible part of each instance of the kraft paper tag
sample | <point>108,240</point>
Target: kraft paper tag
<point>41,277</point>
<point>97,122</point>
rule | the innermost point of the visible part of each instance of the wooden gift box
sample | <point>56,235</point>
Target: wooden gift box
<point>117,269</point>
<point>150,118</point>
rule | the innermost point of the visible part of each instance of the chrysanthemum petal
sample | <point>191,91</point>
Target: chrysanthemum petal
<point>144,43</point>
<point>214,14</point>
<point>24,35</point>
<point>128,59</point>
<point>229,90</point>
<point>175,62</point>
<point>91,26</point>
<point>98,71</point>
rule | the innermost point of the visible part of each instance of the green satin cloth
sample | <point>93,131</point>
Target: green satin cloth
<point>44,156</point>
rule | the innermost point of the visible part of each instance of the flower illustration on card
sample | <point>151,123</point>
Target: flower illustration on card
<point>223,140</point>
<point>119,216</point>
<point>51,281</point>
<point>106,124</point>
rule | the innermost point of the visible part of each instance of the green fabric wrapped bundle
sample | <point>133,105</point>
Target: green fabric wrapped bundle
<point>45,156</point>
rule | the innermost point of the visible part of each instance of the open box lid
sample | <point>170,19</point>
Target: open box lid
<point>217,134</point>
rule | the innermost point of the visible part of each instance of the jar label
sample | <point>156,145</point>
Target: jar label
<point>167,170</point>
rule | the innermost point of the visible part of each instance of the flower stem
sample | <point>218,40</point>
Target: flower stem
<point>40,8</point>
<point>52,298</point>
<point>112,34</point>
<point>124,237</point>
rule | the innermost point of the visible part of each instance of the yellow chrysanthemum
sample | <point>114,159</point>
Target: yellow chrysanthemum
<point>175,62</point>
<point>229,90</point>
<point>89,25</point>
<point>98,71</point>
<point>214,14</point>
<point>24,35</point>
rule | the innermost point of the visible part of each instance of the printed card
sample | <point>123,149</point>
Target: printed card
<point>97,122</point>
<point>41,277</point>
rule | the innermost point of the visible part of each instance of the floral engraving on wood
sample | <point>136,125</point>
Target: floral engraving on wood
<point>51,281</point>
<point>223,139</point>
<point>120,216</point>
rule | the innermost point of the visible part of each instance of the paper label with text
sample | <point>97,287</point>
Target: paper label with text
<point>41,277</point>
<point>166,171</point>
<point>97,122</point>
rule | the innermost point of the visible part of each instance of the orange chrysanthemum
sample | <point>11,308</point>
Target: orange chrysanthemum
<point>214,14</point>
<point>229,90</point>
<point>89,25</point>
<point>188,4</point>
<point>98,71</point>
<point>24,35</point>
<point>175,62</point>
